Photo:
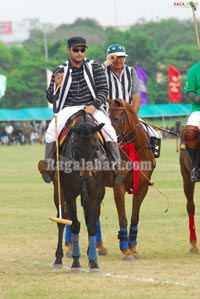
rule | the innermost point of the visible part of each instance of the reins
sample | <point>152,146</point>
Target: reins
<point>125,137</point>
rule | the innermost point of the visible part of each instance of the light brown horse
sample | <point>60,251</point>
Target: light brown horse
<point>135,145</point>
<point>189,187</point>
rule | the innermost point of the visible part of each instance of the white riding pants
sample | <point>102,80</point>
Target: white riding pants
<point>108,131</point>
<point>194,119</point>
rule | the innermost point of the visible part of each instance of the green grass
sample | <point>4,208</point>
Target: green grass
<point>28,239</point>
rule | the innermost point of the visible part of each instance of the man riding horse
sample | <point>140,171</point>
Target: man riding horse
<point>123,83</point>
<point>191,131</point>
<point>79,84</point>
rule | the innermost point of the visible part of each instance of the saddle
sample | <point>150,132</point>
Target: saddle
<point>66,140</point>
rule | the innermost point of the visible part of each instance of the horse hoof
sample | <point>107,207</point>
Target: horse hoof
<point>68,250</point>
<point>57,266</point>
<point>94,267</point>
<point>102,250</point>
<point>69,254</point>
<point>128,258</point>
<point>136,256</point>
<point>76,270</point>
<point>194,251</point>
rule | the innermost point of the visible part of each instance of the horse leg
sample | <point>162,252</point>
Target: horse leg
<point>133,231</point>
<point>190,206</point>
<point>188,187</point>
<point>68,241</point>
<point>119,196</point>
<point>76,267</point>
<point>91,211</point>
<point>102,250</point>
<point>59,251</point>
<point>92,255</point>
<point>75,230</point>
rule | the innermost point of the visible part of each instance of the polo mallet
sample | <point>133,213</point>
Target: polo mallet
<point>195,24</point>
<point>161,129</point>
<point>58,219</point>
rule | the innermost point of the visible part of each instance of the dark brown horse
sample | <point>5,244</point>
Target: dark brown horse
<point>78,176</point>
<point>189,187</point>
<point>136,150</point>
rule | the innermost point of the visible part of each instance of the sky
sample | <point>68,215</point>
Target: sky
<point>105,12</point>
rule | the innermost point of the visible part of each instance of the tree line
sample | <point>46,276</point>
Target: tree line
<point>153,45</point>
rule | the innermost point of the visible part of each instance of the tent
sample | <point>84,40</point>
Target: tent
<point>147,111</point>
<point>26,114</point>
<point>164,110</point>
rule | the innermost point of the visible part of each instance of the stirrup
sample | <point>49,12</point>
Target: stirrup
<point>46,174</point>
<point>195,175</point>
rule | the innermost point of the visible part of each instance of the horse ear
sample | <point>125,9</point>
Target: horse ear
<point>97,128</point>
<point>100,126</point>
<point>120,102</point>
<point>109,101</point>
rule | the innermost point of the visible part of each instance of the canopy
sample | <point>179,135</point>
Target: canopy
<point>164,110</point>
<point>147,111</point>
<point>26,114</point>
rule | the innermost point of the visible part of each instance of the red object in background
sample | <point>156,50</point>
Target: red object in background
<point>174,84</point>
<point>6,27</point>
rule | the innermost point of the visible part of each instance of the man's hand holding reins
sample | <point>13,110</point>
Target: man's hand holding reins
<point>90,109</point>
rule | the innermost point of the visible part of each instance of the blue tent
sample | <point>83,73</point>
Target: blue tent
<point>147,111</point>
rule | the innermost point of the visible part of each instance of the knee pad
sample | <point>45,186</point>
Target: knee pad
<point>191,136</point>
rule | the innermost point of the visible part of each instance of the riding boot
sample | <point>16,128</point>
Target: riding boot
<point>155,145</point>
<point>117,165</point>
<point>47,166</point>
<point>194,156</point>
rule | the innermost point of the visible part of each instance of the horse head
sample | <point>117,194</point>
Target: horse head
<point>86,141</point>
<point>124,120</point>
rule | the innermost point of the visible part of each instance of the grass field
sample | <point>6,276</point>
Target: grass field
<point>165,269</point>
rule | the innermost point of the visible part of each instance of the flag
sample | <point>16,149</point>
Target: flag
<point>143,76</point>
<point>174,85</point>
<point>6,28</point>
<point>3,81</point>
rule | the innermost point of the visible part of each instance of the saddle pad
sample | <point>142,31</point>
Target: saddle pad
<point>65,132</point>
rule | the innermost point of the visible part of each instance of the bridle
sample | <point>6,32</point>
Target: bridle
<point>128,137</point>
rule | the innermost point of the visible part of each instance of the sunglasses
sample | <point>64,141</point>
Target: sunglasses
<point>75,50</point>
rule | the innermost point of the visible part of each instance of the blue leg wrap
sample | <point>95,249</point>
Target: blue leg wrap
<point>68,234</point>
<point>123,238</point>
<point>133,235</point>
<point>75,245</point>
<point>92,253</point>
<point>99,235</point>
